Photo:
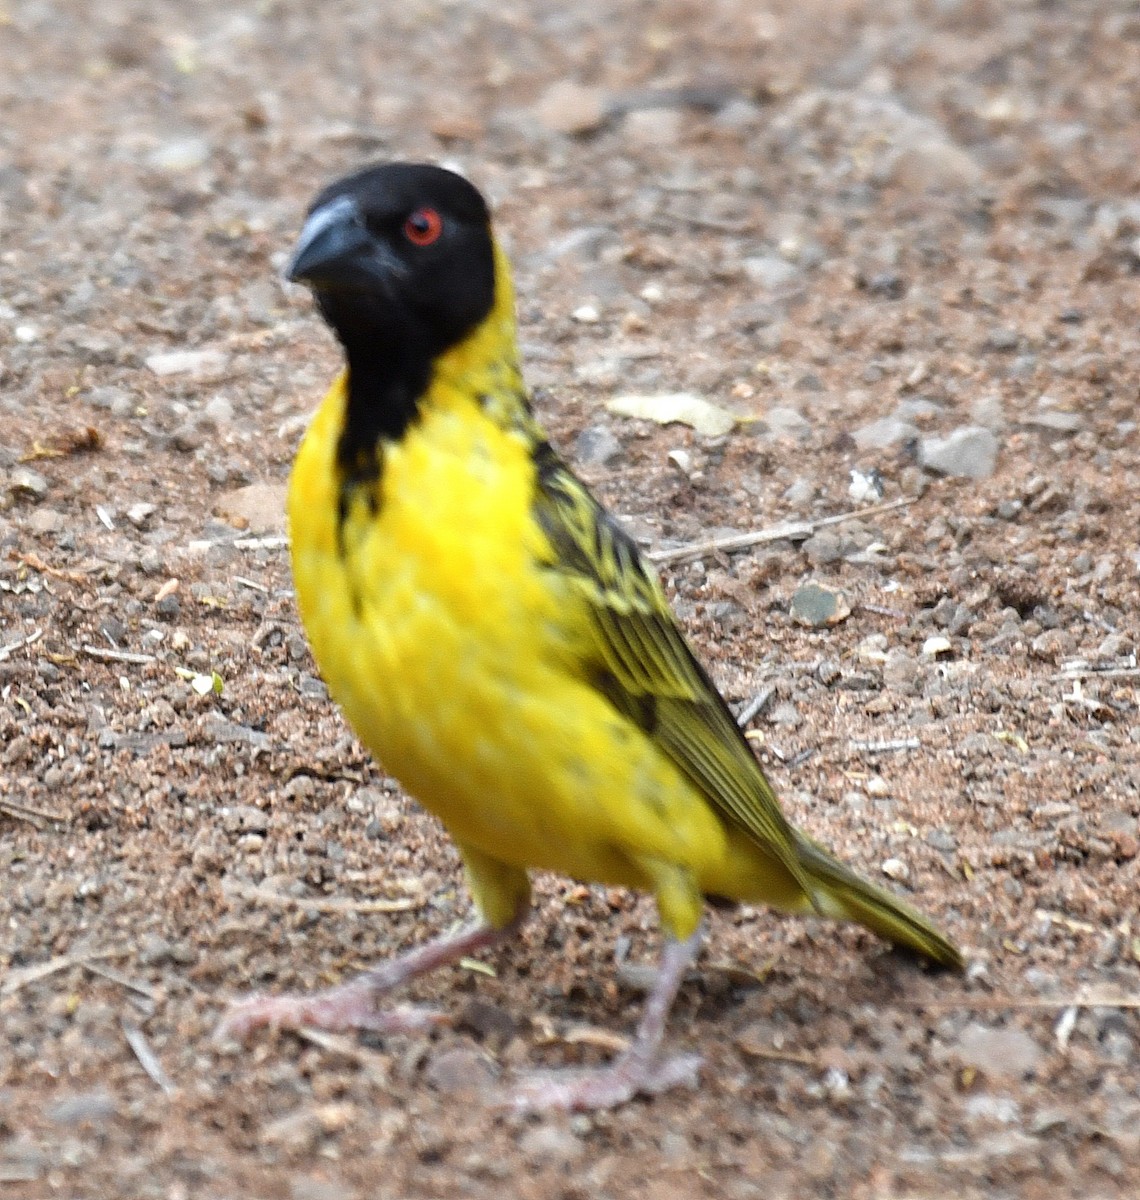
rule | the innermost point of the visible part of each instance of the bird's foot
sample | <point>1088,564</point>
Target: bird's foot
<point>351,1006</point>
<point>583,1090</point>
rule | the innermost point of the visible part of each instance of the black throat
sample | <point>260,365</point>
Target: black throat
<point>389,367</point>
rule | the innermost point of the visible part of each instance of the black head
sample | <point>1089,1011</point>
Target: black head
<point>401,261</point>
<point>402,243</point>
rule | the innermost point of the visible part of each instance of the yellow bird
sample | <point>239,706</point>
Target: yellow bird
<point>499,642</point>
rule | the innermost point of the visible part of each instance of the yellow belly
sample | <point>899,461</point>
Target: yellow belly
<point>451,651</point>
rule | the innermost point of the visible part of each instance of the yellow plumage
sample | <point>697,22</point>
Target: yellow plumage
<point>494,638</point>
<point>460,657</point>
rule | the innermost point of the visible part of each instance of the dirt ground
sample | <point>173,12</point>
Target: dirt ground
<point>865,228</point>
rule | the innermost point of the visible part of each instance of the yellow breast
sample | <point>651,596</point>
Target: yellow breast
<point>451,650</point>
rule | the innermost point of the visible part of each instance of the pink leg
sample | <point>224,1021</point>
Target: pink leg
<point>352,1005</point>
<point>640,1070</point>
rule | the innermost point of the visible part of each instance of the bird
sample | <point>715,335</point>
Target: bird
<point>502,646</point>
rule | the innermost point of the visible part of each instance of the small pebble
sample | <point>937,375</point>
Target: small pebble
<point>551,1143</point>
<point>181,154</point>
<point>46,520</point>
<point>187,437</point>
<point>169,607</point>
<point>787,423</point>
<point>896,869</point>
<point>1005,341</point>
<point>1002,1051</point>
<point>188,362</point>
<point>486,1020</point>
<point>94,1107</point>
<point>25,481</point>
<point>653,127</point>
<point>823,547</point>
<point>220,410</point>
<point>1056,420</point>
<point>866,486</point>
<point>770,271</point>
<point>596,446</point>
<point>816,606</point>
<point>245,818</point>
<point>987,412</point>
<point>970,453</point>
<point>570,108</point>
<point>800,493</point>
<point>461,1067</point>
<point>828,672</point>
<point>140,514</point>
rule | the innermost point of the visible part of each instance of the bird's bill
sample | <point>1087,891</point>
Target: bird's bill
<point>336,249</point>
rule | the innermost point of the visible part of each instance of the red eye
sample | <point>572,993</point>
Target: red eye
<point>423,227</point>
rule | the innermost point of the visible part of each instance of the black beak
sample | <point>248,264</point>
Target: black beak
<point>335,249</point>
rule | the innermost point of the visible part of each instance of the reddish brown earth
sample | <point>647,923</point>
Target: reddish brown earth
<point>836,214</point>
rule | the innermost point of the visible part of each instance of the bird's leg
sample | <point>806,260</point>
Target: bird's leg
<point>639,1070</point>
<point>352,1005</point>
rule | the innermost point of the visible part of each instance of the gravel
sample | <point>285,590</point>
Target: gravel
<point>900,240</point>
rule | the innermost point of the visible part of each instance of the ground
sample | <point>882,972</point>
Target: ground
<point>862,228</point>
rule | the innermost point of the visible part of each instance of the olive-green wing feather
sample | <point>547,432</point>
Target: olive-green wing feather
<point>644,667</point>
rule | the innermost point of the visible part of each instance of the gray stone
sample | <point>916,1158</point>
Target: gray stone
<point>984,1108</point>
<point>220,410</point>
<point>769,270</point>
<point>1005,341</point>
<point>596,446</point>
<point>29,483</point>
<point>568,107</point>
<point>800,493</point>
<point>943,840</point>
<point>887,431</point>
<point>83,1107</point>
<point>823,547</point>
<point>816,606</point>
<point>140,514</point>
<point>1056,420</point>
<point>1004,1051</point>
<point>245,818</point>
<point>653,127</point>
<point>550,1143</point>
<point>180,154</point>
<point>460,1068</point>
<point>168,608</point>
<point>46,520</point>
<point>787,423</point>
<point>969,453</point>
<point>987,411</point>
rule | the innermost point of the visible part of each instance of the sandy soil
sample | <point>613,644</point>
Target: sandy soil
<point>866,227</point>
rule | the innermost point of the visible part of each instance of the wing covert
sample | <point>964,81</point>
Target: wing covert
<point>644,666</point>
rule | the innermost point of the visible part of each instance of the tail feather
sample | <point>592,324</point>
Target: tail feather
<point>845,896</point>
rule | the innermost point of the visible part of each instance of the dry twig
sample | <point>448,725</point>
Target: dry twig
<point>148,1060</point>
<point>1091,997</point>
<point>26,812</point>
<point>118,655</point>
<point>19,643</point>
<point>795,530</point>
<point>887,747</point>
<point>321,904</point>
<point>37,564</point>
<point>124,981</point>
<point>22,976</point>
